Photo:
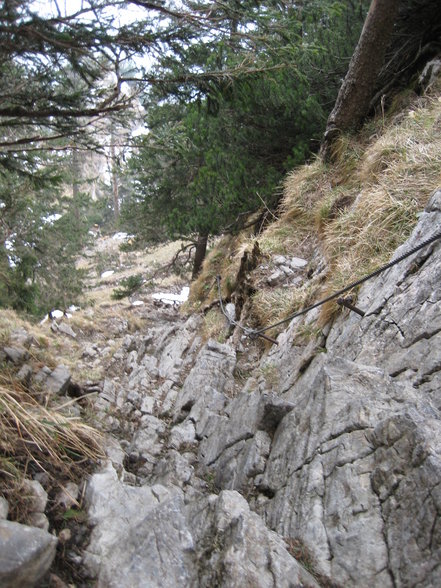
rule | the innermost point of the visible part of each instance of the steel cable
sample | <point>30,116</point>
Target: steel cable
<point>254,333</point>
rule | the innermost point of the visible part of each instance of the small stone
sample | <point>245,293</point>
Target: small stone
<point>38,495</point>
<point>297,263</point>
<point>16,355</point>
<point>279,260</point>
<point>147,404</point>
<point>276,278</point>
<point>286,270</point>
<point>64,535</point>
<point>25,374</point>
<point>89,351</point>
<point>58,381</point>
<point>67,330</point>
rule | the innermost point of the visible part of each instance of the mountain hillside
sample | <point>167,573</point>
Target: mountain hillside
<point>207,457</point>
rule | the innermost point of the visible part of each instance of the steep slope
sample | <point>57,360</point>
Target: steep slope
<point>245,464</point>
<point>339,459</point>
<point>314,462</point>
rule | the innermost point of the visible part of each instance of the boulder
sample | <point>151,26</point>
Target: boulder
<point>151,536</point>
<point>26,554</point>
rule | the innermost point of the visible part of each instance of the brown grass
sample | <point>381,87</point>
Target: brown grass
<point>35,438</point>
<point>355,212</point>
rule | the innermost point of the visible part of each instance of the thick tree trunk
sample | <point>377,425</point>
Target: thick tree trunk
<point>355,94</point>
<point>199,256</point>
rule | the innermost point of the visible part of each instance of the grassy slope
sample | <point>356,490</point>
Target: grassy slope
<point>347,217</point>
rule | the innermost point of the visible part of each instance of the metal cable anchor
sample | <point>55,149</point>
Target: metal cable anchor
<point>347,302</point>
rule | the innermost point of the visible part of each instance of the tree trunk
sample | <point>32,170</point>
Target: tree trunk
<point>355,94</point>
<point>199,256</point>
<point>114,175</point>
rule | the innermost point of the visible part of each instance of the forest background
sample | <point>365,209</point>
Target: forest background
<point>171,120</point>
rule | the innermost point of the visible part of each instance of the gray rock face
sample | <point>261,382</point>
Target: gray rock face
<point>338,453</point>
<point>26,554</point>
<point>354,467</point>
<point>150,536</point>
<point>211,375</point>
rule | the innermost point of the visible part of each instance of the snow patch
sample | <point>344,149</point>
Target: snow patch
<point>137,303</point>
<point>169,298</point>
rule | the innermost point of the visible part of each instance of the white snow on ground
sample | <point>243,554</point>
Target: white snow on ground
<point>120,236</point>
<point>168,298</point>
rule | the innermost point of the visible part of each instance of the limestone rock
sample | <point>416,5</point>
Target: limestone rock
<point>119,514</point>
<point>338,452</point>
<point>250,554</point>
<point>26,554</point>
<point>183,434</point>
<point>67,330</point>
<point>149,536</point>
<point>15,354</point>
<point>58,380</point>
<point>21,338</point>
<point>297,263</point>
<point>276,278</point>
<point>36,494</point>
<point>25,374</point>
<point>245,415</point>
<point>212,372</point>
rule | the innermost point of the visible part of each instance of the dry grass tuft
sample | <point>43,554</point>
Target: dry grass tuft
<point>214,326</point>
<point>398,172</point>
<point>35,438</point>
<point>275,304</point>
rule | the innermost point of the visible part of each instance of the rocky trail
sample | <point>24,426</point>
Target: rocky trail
<point>316,462</point>
<point>322,458</point>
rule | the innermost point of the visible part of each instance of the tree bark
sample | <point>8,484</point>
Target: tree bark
<point>114,174</point>
<point>355,94</point>
<point>199,256</point>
